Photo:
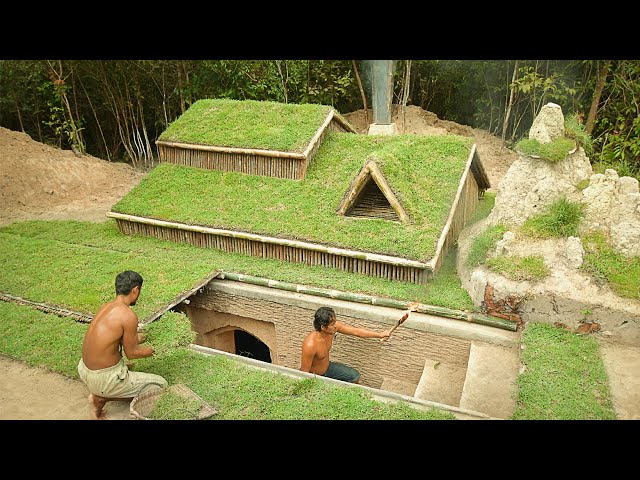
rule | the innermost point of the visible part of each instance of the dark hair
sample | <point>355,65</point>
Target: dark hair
<point>323,317</point>
<point>126,281</point>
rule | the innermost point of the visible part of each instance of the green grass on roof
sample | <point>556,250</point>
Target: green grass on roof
<point>423,171</point>
<point>74,264</point>
<point>248,124</point>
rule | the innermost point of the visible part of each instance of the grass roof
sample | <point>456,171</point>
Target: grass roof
<point>423,171</point>
<point>248,124</point>
<point>74,265</point>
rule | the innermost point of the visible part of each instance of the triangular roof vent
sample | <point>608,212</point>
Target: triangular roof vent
<point>370,196</point>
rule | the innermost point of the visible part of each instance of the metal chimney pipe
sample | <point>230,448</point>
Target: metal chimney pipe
<point>382,79</point>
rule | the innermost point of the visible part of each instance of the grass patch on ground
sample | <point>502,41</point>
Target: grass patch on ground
<point>423,171</point>
<point>554,151</point>
<point>560,220</point>
<point>237,390</point>
<point>485,205</point>
<point>530,268</point>
<point>620,272</point>
<point>171,406</point>
<point>483,243</point>
<point>248,124</point>
<point>74,264</point>
<point>564,378</point>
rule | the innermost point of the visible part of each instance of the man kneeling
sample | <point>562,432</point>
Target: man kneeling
<point>102,367</point>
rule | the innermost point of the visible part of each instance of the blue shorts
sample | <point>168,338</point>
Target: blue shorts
<point>342,372</point>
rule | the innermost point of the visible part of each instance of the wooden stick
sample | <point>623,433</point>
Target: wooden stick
<point>412,308</point>
<point>246,151</point>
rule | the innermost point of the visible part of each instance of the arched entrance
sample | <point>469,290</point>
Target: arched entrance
<point>249,346</point>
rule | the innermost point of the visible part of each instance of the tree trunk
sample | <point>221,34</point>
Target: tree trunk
<point>362,93</point>
<point>602,78</point>
<point>510,104</point>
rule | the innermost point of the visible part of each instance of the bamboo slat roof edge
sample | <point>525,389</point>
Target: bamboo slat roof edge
<point>376,257</point>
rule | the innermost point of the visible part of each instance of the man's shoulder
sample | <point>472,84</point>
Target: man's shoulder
<point>309,339</point>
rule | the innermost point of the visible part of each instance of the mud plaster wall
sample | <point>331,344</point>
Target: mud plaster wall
<point>215,330</point>
<point>401,358</point>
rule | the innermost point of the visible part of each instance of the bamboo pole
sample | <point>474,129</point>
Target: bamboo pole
<point>373,257</point>
<point>342,121</point>
<point>245,151</point>
<point>45,307</point>
<point>435,261</point>
<point>318,134</point>
<point>371,300</point>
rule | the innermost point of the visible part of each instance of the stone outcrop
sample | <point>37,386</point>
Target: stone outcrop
<point>532,184</point>
<point>612,205</point>
<point>548,125</point>
<point>568,295</point>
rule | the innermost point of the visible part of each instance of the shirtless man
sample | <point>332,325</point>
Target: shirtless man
<point>317,344</point>
<point>102,367</point>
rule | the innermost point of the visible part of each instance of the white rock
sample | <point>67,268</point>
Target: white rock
<point>548,125</point>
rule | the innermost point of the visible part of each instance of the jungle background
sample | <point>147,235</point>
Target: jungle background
<point>116,109</point>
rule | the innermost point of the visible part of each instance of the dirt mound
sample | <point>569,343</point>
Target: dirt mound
<point>38,181</point>
<point>43,182</point>
<point>495,157</point>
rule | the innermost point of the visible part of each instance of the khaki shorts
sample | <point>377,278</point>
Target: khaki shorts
<point>118,381</point>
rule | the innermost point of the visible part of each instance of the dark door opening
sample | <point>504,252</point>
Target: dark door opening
<point>249,346</point>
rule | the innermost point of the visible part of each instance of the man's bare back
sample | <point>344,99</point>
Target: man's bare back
<point>103,339</point>
<point>112,331</point>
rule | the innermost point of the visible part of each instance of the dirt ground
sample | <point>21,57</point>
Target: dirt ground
<point>39,182</point>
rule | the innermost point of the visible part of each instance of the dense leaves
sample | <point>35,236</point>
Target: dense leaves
<point>117,109</point>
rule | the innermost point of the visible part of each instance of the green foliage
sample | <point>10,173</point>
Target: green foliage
<point>554,152</point>
<point>564,377</point>
<point>617,129</point>
<point>620,272</point>
<point>483,243</point>
<point>89,256</point>
<point>423,171</point>
<point>622,167</point>
<point>575,130</point>
<point>531,267</point>
<point>560,220</point>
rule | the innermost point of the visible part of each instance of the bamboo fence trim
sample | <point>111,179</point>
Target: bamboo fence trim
<point>45,307</point>
<point>246,151</point>
<point>342,121</point>
<point>372,300</point>
<point>373,257</point>
<point>179,298</point>
<point>433,263</point>
<point>318,134</point>
<point>480,173</point>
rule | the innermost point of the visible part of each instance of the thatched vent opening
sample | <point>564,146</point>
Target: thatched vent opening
<point>370,196</point>
<point>372,203</point>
